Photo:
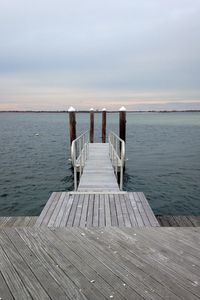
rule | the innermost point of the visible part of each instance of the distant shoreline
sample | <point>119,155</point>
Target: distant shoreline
<point>99,111</point>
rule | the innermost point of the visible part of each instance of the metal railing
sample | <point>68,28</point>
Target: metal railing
<point>117,156</point>
<point>79,154</point>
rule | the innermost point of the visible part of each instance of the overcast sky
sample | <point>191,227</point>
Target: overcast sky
<point>143,54</point>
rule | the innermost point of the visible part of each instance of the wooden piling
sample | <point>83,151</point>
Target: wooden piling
<point>91,125</point>
<point>122,123</point>
<point>103,125</point>
<point>72,124</point>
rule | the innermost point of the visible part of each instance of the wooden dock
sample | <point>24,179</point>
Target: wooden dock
<point>113,263</point>
<point>98,174</point>
<point>98,242</point>
<point>77,209</point>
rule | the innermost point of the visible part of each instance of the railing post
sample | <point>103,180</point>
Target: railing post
<point>75,170</point>
<point>80,156</point>
<point>103,125</point>
<point>72,124</point>
<point>121,177</point>
<point>91,125</point>
<point>122,123</point>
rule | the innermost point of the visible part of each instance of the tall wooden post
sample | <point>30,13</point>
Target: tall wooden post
<point>122,123</point>
<point>91,125</point>
<point>103,125</point>
<point>72,124</point>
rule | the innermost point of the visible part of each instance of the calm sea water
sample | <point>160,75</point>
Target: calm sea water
<point>163,152</point>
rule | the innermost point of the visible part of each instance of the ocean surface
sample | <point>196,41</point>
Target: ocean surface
<point>163,159</point>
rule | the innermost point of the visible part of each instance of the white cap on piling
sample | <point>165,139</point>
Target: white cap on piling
<point>122,108</point>
<point>71,108</point>
<point>104,109</point>
<point>91,109</point>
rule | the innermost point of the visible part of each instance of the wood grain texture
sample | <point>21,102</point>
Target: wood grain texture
<point>97,210</point>
<point>119,263</point>
<point>178,221</point>
<point>17,221</point>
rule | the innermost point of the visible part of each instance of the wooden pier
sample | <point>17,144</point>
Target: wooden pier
<point>98,241</point>
<point>110,263</point>
<point>77,209</point>
<point>98,174</point>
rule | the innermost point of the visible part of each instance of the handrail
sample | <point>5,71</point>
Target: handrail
<point>79,154</point>
<point>117,155</point>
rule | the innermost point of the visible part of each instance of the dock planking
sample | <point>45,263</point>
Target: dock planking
<point>17,221</point>
<point>95,263</point>
<point>98,174</point>
<point>81,209</point>
<point>178,221</point>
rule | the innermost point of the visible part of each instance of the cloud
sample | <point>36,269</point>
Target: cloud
<point>102,46</point>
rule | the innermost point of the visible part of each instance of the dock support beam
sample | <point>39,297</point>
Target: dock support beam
<point>103,125</point>
<point>91,125</point>
<point>72,124</point>
<point>122,123</point>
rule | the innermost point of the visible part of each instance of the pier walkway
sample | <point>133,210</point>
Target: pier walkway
<point>97,242</point>
<point>95,264</point>
<point>98,174</point>
<point>97,200</point>
<point>77,209</point>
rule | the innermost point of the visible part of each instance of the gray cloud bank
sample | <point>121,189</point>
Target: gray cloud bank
<point>55,52</point>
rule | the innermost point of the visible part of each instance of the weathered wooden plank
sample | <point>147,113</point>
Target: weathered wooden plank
<point>51,209</point>
<point>56,210</point>
<point>150,215</point>
<point>78,211</point>
<point>119,211</point>
<point>83,220</point>
<point>4,290</point>
<point>93,209</point>
<point>113,212</point>
<point>155,257</point>
<point>72,213</point>
<point>107,211</point>
<point>183,221</point>
<point>76,263</point>
<point>195,220</point>
<point>16,271</point>
<point>131,211</point>
<point>134,289</point>
<point>178,221</point>
<point>67,211</point>
<point>133,267</point>
<point>62,210</point>
<point>90,210</point>
<point>102,211</point>
<point>84,277</point>
<point>36,243</point>
<point>141,210</point>
<point>124,211</point>
<point>96,211</point>
<point>89,255</point>
<point>138,217</point>
<point>17,221</point>
<point>45,209</point>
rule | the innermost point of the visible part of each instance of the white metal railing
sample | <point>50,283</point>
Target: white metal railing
<point>117,156</point>
<point>79,154</point>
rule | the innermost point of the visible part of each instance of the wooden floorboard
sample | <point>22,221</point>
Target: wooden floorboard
<point>95,263</point>
<point>97,210</point>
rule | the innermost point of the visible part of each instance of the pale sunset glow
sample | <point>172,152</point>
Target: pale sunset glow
<point>140,54</point>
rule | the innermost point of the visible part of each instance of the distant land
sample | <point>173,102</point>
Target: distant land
<point>99,111</point>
